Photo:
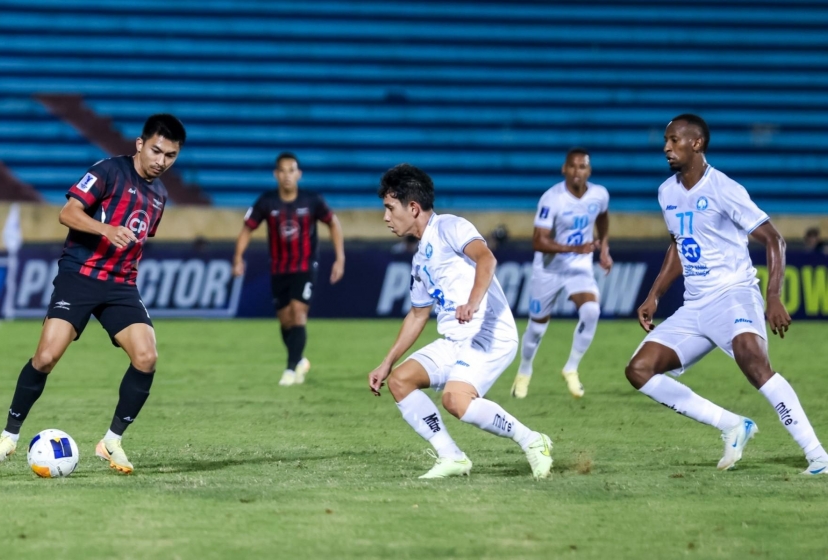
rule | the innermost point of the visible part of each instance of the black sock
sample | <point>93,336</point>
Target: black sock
<point>135,388</point>
<point>285,335</point>
<point>297,338</point>
<point>30,386</point>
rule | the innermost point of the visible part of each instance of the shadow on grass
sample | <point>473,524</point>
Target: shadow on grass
<point>202,465</point>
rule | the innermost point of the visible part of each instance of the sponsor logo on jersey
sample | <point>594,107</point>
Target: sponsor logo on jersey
<point>132,191</point>
<point>302,211</point>
<point>461,363</point>
<point>592,208</point>
<point>289,229</point>
<point>138,223</point>
<point>157,203</point>
<point>671,207</point>
<point>701,203</point>
<point>429,250</point>
<point>740,320</point>
<point>86,183</point>
<point>544,212</point>
<point>690,249</point>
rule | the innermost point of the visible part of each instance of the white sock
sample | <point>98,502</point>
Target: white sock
<point>784,400</point>
<point>529,346</point>
<point>588,315</point>
<point>421,414</point>
<point>112,435</point>
<point>683,400</point>
<point>11,436</point>
<point>491,417</point>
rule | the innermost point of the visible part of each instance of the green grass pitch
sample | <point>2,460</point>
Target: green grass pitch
<point>229,465</point>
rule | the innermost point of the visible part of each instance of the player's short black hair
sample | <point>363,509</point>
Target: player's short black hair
<point>696,121</point>
<point>286,155</point>
<point>576,151</point>
<point>166,125</point>
<point>408,183</point>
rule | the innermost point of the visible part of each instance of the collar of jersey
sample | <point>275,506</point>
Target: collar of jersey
<point>702,182</point>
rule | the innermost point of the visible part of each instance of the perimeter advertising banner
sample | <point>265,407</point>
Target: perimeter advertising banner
<point>197,281</point>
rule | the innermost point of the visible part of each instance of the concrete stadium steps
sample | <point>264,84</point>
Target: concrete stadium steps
<point>487,96</point>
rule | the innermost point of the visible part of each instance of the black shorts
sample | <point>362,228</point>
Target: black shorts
<point>77,297</point>
<point>297,285</point>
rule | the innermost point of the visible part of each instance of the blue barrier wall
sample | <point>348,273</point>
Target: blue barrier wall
<point>487,96</point>
<point>197,282</point>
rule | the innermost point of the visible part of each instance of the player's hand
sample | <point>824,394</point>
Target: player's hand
<point>605,261</point>
<point>376,379</point>
<point>465,312</point>
<point>238,267</point>
<point>337,271</point>
<point>646,312</point>
<point>120,236</point>
<point>778,317</point>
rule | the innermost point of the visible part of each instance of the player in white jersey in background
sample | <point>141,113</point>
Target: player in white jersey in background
<point>453,270</point>
<point>563,243</point>
<point>710,217</point>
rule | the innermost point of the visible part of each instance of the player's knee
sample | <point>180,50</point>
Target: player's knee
<point>400,386</point>
<point>45,360</point>
<point>590,312</point>
<point>639,371</point>
<point>145,359</point>
<point>456,404</point>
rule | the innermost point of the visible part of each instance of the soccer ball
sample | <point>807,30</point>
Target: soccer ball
<point>53,454</point>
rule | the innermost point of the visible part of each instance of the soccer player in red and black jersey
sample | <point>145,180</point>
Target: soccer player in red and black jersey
<point>110,213</point>
<point>291,216</point>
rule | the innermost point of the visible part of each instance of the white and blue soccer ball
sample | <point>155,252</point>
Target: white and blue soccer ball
<point>53,454</point>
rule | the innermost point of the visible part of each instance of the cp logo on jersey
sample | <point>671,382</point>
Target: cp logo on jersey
<point>690,249</point>
<point>138,223</point>
<point>289,229</point>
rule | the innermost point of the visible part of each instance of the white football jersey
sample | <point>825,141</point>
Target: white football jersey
<point>442,275</point>
<point>711,223</point>
<point>572,220</point>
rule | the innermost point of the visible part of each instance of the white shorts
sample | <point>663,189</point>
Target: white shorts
<point>545,287</point>
<point>477,361</point>
<point>692,332</point>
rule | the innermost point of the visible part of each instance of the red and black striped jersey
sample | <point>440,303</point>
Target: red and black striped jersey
<point>291,228</point>
<point>114,193</point>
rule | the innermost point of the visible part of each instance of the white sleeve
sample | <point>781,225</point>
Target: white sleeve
<point>458,232</point>
<point>738,206</point>
<point>545,217</point>
<point>419,294</point>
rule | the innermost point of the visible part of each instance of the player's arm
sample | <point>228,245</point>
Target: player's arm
<point>774,243</point>
<point>670,270</point>
<point>338,239</point>
<point>484,270</point>
<point>413,324</point>
<point>242,242</point>
<point>602,230</point>
<point>544,242</point>
<point>73,215</point>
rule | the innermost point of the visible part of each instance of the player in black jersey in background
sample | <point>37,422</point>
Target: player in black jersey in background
<point>110,213</point>
<point>291,216</point>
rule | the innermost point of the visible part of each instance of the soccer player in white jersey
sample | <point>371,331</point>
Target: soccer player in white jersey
<point>563,243</point>
<point>710,217</point>
<point>453,270</point>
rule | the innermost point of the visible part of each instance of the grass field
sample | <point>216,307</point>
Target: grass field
<point>229,465</point>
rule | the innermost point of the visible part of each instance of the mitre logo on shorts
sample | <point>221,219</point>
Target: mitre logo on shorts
<point>289,229</point>
<point>138,223</point>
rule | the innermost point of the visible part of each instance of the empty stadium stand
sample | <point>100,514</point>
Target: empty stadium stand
<point>486,96</point>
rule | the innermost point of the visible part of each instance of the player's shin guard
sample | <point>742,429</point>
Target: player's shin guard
<point>422,415</point>
<point>783,399</point>
<point>30,386</point>
<point>490,416</point>
<point>135,388</point>
<point>683,400</point>
<point>296,340</point>
<point>588,315</point>
<point>529,345</point>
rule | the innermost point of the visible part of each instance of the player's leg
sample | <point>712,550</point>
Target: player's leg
<point>425,368</point>
<point>543,289</point>
<point>751,353</point>
<point>55,338</point>
<point>298,339</point>
<point>478,365</point>
<point>588,313</point>
<point>293,302</point>
<point>674,346</point>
